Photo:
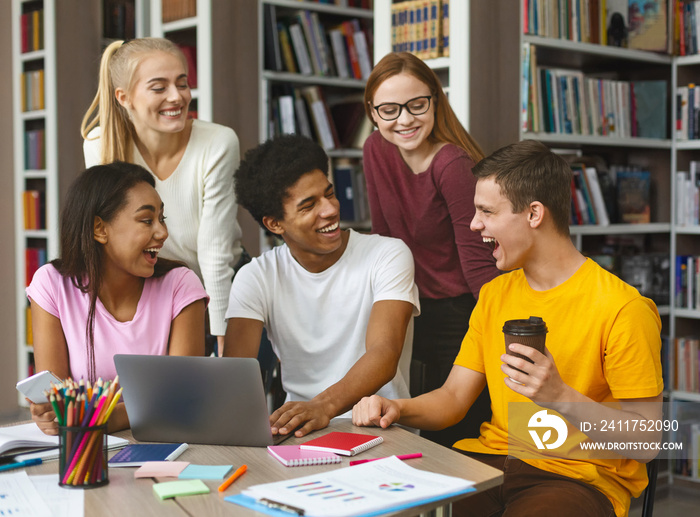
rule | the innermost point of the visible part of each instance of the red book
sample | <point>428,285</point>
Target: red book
<point>347,444</point>
<point>190,53</point>
<point>31,263</point>
<point>349,33</point>
<point>24,30</point>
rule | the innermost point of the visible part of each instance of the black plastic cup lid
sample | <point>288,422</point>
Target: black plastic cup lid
<point>531,326</point>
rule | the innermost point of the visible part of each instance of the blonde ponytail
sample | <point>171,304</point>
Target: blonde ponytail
<point>105,111</point>
<point>118,67</point>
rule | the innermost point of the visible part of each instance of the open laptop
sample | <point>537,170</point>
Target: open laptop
<point>211,400</point>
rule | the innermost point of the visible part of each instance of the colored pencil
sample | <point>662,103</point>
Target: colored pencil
<point>80,406</point>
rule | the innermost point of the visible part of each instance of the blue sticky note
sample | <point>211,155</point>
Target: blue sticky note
<point>205,471</point>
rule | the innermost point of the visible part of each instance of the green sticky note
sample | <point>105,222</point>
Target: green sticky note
<point>180,488</point>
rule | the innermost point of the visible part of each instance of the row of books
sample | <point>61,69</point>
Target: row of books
<point>596,200</point>
<point>33,209</point>
<point>687,414</point>
<point>32,90</point>
<point>305,111</point>
<point>34,259</point>
<point>421,27</point>
<point>31,26</point>
<point>687,120</point>
<point>172,10</point>
<point>587,202</point>
<point>686,27</point>
<point>688,196</point>
<point>34,149</point>
<point>299,43</point>
<point>604,194</point>
<point>686,360</point>
<point>556,100</point>
<point>119,19</point>
<point>359,4</point>
<point>349,183</point>
<point>687,289</point>
<point>637,24</point>
<point>576,21</point>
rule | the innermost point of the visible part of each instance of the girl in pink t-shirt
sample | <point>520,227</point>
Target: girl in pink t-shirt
<point>109,293</point>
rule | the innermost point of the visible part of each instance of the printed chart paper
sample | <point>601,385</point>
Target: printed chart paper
<point>378,485</point>
<point>19,498</point>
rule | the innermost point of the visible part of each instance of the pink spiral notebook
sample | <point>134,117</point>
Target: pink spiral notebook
<point>293,456</point>
<point>347,444</point>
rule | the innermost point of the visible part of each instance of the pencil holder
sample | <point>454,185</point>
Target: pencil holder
<point>82,460</point>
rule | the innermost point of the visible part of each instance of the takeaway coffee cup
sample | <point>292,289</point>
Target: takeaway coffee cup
<point>530,332</point>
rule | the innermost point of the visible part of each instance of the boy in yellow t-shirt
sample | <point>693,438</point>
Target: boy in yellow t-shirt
<point>601,361</point>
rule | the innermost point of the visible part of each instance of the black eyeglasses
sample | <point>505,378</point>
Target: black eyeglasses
<point>392,110</point>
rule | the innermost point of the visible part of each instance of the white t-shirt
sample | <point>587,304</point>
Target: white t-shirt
<point>317,322</point>
<point>200,207</point>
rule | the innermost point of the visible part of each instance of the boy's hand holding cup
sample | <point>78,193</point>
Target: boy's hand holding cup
<point>531,332</point>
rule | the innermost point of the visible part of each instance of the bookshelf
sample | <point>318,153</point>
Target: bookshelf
<point>45,159</point>
<point>189,24</point>
<point>685,240</point>
<point>317,95</point>
<point>35,154</point>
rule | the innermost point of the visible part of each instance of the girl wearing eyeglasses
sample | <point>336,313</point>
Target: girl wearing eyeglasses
<point>421,190</point>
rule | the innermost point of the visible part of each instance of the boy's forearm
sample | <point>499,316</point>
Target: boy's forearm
<point>365,378</point>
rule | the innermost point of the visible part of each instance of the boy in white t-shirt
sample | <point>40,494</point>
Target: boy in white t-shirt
<point>338,306</point>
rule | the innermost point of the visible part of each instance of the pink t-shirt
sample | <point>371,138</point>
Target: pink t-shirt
<point>161,301</point>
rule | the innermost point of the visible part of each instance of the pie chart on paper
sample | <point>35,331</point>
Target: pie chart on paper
<point>396,487</point>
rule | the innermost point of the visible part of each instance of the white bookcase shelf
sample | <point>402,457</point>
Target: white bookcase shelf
<point>194,31</point>
<point>44,180</point>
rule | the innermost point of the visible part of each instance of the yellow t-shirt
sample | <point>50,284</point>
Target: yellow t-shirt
<point>605,340</point>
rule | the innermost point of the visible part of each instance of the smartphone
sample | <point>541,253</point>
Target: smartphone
<point>33,387</point>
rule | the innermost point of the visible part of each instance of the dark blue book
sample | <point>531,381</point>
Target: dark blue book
<point>343,180</point>
<point>136,454</point>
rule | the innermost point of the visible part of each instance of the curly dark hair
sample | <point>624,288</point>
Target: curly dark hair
<point>268,171</point>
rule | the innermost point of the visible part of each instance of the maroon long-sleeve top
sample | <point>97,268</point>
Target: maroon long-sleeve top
<point>431,212</point>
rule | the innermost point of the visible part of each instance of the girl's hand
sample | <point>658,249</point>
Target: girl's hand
<point>44,416</point>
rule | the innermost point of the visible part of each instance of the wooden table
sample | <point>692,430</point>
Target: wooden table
<point>125,495</point>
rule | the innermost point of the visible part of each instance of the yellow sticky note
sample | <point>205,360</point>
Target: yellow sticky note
<point>180,488</point>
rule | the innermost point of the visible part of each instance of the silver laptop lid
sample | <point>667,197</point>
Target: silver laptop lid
<point>210,400</point>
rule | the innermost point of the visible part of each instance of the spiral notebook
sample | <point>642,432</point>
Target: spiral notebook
<point>347,444</point>
<point>294,456</point>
